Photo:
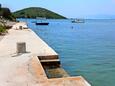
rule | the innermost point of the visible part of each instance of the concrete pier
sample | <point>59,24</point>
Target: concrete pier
<point>26,69</point>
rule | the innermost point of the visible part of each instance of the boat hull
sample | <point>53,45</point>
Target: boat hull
<point>42,23</point>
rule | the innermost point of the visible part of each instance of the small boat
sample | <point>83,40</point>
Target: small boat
<point>42,23</point>
<point>78,21</point>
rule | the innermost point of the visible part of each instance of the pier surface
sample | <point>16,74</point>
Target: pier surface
<point>26,69</point>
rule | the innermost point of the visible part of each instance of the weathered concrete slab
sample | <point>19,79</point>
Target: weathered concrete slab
<point>34,44</point>
<point>70,81</point>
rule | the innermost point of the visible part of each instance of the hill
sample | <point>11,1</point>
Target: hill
<point>34,12</point>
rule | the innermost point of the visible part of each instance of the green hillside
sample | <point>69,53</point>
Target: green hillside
<point>34,12</point>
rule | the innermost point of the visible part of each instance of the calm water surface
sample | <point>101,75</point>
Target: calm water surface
<point>86,49</point>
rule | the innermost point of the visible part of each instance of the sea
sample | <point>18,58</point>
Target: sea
<point>85,49</point>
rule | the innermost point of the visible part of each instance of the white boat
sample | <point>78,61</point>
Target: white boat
<point>78,21</point>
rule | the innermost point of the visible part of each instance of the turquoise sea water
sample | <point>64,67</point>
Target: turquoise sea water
<point>86,49</point>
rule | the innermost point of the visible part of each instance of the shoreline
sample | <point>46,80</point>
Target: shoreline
<point>27,68</point>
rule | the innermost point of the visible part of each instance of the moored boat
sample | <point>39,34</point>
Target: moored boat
<point>42,21</point>
<point>78,21</point>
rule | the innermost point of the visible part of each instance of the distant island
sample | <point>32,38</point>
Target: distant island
<point>34,12</point>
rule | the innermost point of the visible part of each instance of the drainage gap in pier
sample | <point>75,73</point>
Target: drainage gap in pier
<point>52,66</point>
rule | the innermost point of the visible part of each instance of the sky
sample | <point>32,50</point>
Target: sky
<point>68,8</point>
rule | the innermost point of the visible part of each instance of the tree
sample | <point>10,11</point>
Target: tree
<point>6,12</point>
<point>0,6</point>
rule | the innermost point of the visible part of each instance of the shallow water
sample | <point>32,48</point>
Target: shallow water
<point>86,49</point>
<point>56,72</point>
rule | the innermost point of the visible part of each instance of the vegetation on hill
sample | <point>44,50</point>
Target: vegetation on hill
<point>34,12</point>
